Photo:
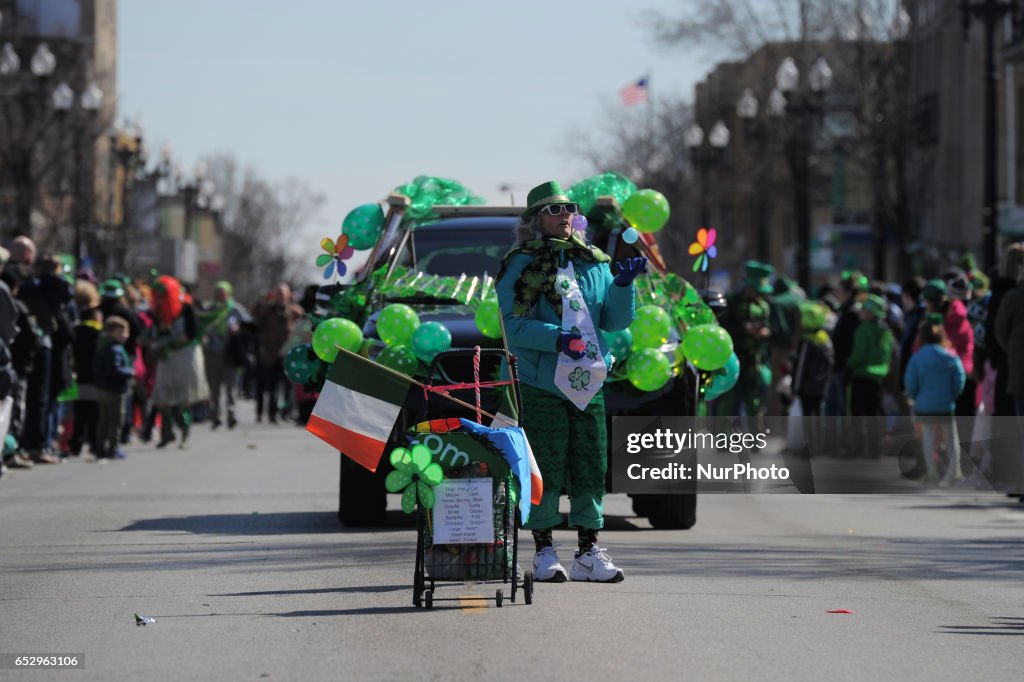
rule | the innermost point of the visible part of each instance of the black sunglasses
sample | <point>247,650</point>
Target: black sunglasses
<point>557,209</point>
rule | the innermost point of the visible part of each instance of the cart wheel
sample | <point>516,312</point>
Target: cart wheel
<point>498,596</point>
<point>428,599</point>
<point>416,598</point>
<point>528,587</point>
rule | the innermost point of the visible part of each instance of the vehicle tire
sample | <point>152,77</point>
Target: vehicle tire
<point>911,460</point>
<point>362,499</point>
<point>674,512</point>
<point>643,505</point>
<point>528,587</point>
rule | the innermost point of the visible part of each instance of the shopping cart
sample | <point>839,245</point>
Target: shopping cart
<point>465,456</point>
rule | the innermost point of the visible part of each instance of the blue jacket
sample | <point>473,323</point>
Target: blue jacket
<point>532,339</point>
<point>112,367</point>
<point>934,379</point>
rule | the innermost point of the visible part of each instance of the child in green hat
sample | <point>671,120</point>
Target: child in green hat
<point>867,367</point>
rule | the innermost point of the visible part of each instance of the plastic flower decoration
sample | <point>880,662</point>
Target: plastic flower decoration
<point>704,248</point>
<point>337,253</point>
<point>415,475</point>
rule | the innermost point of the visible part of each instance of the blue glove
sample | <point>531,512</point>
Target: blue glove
<point>628,269</point>
<point>571,344</point>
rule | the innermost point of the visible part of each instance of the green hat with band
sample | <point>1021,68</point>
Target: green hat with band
<point>757,276</point>
<point>875,305</point>
<point>543,195</point>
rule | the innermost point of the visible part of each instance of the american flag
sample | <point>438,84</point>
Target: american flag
<point>634,93</point>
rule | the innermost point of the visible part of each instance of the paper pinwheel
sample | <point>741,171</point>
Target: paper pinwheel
<point>704,248</point>
<point>337,253</point>
<point>415,474</point>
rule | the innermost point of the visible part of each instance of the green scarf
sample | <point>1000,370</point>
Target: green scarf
<point>538,278</point>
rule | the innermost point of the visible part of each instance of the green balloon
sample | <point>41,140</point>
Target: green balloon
<point>399,358</point>
<point>650,328</point>
<point>647,210</point>
<point>619,343</point>
<point>334,332</point>
<point>301,364</point>
<point>488,319</point>
<point>707,347</point>
<point>649,369</point>
<point>396,324</point>
<point>362,226</point>
<point>429,339</point>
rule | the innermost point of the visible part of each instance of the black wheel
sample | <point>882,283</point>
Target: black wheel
<point>498,598</point>
<point>643,504</point>
<point>674,512</point>
<point>428,599</point>
<point>528,587</point>
<point>362,499</point>
<point>911,460</point>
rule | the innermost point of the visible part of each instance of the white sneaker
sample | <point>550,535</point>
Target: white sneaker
<point>596,566</point>
<point>546,568</point>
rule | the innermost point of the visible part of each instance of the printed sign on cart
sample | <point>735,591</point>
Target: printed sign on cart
<point>464,511</point>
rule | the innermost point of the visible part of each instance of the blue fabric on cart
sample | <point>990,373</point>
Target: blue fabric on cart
<point>511,442</point>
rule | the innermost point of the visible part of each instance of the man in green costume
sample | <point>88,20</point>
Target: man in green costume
<point>748,322</point>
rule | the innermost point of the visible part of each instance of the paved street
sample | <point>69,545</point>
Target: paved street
<point>233,547</point>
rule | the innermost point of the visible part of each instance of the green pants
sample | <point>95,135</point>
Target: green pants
<point>571,448</point>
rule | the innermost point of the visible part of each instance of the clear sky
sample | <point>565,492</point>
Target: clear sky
<point>356,98</point>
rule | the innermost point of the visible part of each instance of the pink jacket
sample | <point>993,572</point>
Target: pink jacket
<point>960,334</point>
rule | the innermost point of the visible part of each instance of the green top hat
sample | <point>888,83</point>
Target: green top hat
<point>875,305</point>
<point>112,288</point>
<point>544,194</point>
<point>934,291</point>
<point>757,276</point>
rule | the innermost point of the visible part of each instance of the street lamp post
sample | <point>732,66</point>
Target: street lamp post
<point>991,13</point>
<point>90,102</point>
<point>804,107</point>
<point>703,157</point>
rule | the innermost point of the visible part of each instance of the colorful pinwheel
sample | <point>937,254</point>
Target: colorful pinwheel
<point>337,253</point>
<point>415,474</point>
<point>704,248</point>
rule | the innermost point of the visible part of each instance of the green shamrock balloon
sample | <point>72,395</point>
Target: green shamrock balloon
<point>362,226</point>
<point>429,339</point>
<point>647,210</point>
<point>415,474</point>
<point>335,332</point>
<point>649,369</point>
<point>399,358</point>
<point>396,324</point>
<point>650,328</point>
<point>488,319</point>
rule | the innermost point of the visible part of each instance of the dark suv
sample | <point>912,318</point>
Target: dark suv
<point>472,241</point>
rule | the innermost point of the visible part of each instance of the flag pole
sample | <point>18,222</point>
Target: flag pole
<point>408,378</point>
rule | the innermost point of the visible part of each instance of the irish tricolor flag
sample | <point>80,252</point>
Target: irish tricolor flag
<point>358,407</point>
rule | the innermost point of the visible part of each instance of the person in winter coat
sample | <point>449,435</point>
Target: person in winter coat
<point>113,370</point>
<point>956,327</point>
<point>867,367</point>
<point>934,379</point>
<point>556,293</point>
<point>87,408</point>
<point>852,289</point>
<point>960,332</point>
<point>812,370</point>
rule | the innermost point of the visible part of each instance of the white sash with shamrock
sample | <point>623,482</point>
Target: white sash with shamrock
<point>579,380</point>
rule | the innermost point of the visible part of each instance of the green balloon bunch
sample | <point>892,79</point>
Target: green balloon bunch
<point>335,332</point>
<point>362,226</point>
<point>396,324</point>
<point>649,369</point>
<point>650,328</point>
<point>647,210</point>
<point>707,347</point>
<point>586,191</point>
<point>429,339</point>
<point>488,319</point>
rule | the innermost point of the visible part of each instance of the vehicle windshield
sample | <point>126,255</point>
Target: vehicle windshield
<point>449,253</point>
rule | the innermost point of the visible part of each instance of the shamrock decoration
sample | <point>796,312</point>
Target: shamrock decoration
<point>563,284</point>
<point>415,473</point>
<point>337,253</point>
<point>579,379</point>
<point>704,248</point>
<point>575,305</point>
<point>592,350</point>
